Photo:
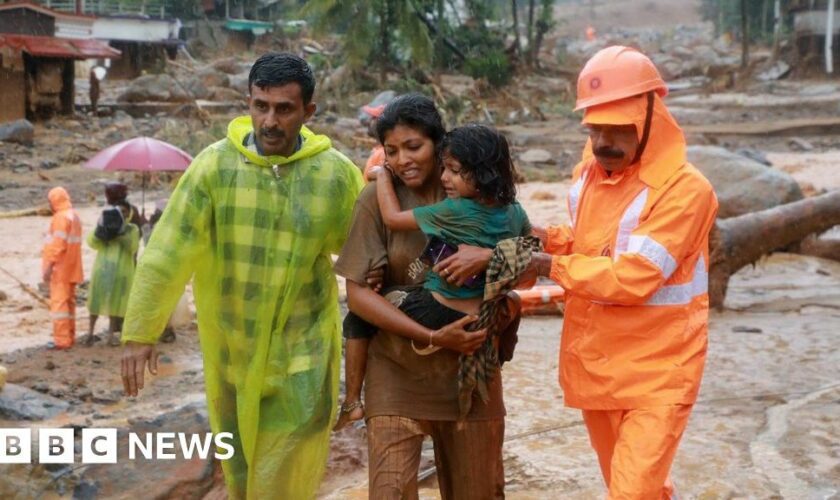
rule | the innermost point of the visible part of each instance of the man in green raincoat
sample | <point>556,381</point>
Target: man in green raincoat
<point>254,219</point>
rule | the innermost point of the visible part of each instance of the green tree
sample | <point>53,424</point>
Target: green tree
<point>374,30</point>
<point>726,15</point>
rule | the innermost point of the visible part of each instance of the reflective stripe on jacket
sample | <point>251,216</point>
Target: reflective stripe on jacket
<point>634,265</point>
<point>63,243</point>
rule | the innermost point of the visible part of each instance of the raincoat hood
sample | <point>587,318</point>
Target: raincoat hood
<point>240,127</point>
<point>59,199</point>
<point>665,152</point>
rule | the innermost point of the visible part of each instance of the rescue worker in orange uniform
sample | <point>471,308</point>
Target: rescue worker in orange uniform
<point>634,266</point>
<point>61,266</point>
<point>377,153</point>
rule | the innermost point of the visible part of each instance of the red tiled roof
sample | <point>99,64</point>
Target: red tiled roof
<point>46,46</point>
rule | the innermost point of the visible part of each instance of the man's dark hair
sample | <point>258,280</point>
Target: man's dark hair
<point>484,155</point>
<point>412,110</point>
<point>279,68</point>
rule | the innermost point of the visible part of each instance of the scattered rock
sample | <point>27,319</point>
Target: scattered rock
<point>192,477</point>
<point>543,195</point>
<point>49,366</point>
<point>49,164</point>
<point>211,77</point>
<point>197,88</point>
<point>344,123</point>
<point>239,82</point>
<point>20,403</point>
<point>774,72</point>
<point>741,184</point>
<point>536,156</point>
<point>3,296</point>
<point>747,329</point>
<point>4,373</point>
<point>154,88</point>
<point>231,66</point>
<point>799,144</point>
<point>754,154</point>
<point>20,131</point>
<point>225,94</point>
<point>107,398</point>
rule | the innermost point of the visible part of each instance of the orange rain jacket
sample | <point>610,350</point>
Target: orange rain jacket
<point>634,264</point>
<point>63,244</point>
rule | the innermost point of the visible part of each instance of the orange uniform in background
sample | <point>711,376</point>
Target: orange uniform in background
<point>634,265</point>
<point>61,259</point>
<point>376,159</point>
<point>377,153</point>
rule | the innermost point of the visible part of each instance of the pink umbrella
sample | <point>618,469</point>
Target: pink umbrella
<point>141,153</point>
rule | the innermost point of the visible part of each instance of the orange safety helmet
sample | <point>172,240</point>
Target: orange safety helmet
<point>615,73</point>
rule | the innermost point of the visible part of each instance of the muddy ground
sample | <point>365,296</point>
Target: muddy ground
<point>765,425</point>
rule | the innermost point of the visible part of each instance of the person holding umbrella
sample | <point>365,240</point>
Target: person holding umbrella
<point>254,219</point>
<point>140,154</point>
<point>116,194</point>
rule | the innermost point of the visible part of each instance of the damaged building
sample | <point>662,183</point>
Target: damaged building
<point>143,32</point>
<point>37,69</point>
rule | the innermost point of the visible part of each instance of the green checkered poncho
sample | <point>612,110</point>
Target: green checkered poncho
<point>257,233</point>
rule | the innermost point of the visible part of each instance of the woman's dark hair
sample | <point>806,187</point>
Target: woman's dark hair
<point>412,110</point>
<point>485,160</point>
<point>279,68</point>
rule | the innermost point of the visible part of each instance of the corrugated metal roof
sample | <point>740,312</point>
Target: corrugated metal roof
<point>45,46</point>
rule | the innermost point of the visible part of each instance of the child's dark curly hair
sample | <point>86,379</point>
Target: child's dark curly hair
<point>485,160</point>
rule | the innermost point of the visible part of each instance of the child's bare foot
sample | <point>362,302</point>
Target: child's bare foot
<point>88,340</point>
<point>349,412</point>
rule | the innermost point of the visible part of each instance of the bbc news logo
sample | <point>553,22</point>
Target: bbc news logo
<point>100,446</point>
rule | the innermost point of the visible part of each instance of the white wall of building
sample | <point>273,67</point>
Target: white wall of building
<point>135,30</point>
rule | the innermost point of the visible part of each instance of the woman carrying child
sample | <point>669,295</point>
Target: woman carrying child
<point>409,395</point>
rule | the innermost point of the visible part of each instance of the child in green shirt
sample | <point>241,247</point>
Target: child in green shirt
<point>480,210</point>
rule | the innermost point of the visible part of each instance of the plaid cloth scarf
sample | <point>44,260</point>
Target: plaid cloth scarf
<point>510,259</point>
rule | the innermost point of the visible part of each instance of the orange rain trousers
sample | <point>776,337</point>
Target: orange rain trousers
<point>63,313</point>
<point>63,253</point>
<point>636,448</point>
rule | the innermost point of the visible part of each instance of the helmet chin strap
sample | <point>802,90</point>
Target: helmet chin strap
<point>646,131</point>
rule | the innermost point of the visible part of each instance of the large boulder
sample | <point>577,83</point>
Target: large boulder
<point>20,131</point>
<point>197,88</point>
<point>239,82</point>
<point>154,88</point>
<point>743,185</point>
<point>232,66</point>
<point>211,77</point>
<point>21,403</point>
<point>224,94</point>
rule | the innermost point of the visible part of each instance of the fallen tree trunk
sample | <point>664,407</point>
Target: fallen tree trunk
<point>824,249</point>
<point>26,212</point>
<point>739,241</point>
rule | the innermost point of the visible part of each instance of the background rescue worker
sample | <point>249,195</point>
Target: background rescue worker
<point>634,264</point>
<point>61,266</point>
<point>255,219</point>
<point>377,153</point>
